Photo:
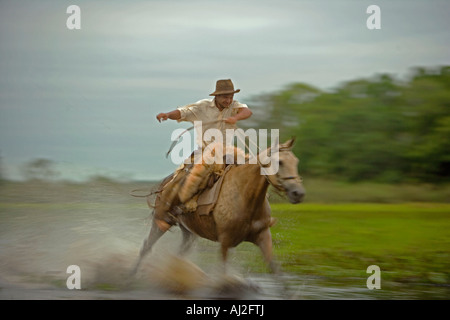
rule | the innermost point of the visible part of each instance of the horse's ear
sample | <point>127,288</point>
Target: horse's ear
<point>289,144</point>
<point>268,152</point>
<point>276,146</point>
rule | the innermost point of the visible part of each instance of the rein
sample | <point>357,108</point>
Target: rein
<point>276,184</point>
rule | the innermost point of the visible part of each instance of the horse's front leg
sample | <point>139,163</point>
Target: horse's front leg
<point>224,246</point>
<point>264,242</point>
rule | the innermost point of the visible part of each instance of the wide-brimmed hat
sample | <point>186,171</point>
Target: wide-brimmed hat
<point>224,87</point>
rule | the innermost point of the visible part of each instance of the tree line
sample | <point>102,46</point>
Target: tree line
<point>379,128</point>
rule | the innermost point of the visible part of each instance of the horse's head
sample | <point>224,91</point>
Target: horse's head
<point>286,178</point>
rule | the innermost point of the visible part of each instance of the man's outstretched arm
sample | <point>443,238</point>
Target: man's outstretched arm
<point>173,115</point>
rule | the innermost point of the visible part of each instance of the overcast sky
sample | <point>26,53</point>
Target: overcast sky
<point>87,99</point>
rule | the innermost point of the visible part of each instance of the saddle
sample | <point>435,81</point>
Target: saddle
<point>197,186</point>
<point>204,202</point>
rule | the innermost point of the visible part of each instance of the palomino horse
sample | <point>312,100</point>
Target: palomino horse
<point>242,212</point>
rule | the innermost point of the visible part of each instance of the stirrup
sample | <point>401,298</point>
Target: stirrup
<point>176,211</point>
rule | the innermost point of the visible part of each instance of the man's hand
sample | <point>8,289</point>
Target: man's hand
<point>231,120</point>
<point>243,113</point>
<point>173,115</point>
<point>162,116</point>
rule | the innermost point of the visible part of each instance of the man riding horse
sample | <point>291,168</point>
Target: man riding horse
<point>238,209</point>
<point>221,112</point>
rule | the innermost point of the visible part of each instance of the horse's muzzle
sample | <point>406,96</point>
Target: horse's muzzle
<point>296,195</point>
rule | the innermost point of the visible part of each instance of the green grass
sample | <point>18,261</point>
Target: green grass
<point>409,242</point>
<point>319,190</point>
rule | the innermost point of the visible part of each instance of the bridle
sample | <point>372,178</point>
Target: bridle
<point>275,180</point>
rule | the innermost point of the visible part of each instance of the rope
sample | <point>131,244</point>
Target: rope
<point>263,169</point>
<point>143,196</point>
<point>174,143</point>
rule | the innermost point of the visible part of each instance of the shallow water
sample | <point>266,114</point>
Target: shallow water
<point>102,234</point>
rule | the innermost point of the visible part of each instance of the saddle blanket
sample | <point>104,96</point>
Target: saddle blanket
<point>208,198</point>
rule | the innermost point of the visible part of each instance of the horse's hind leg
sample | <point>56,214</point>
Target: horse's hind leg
<point>187,240</point>
<point>154,235</point>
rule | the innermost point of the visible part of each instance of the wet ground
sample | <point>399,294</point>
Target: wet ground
<point>49,230</point>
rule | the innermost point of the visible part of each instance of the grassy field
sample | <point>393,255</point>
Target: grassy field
<point>319,190</point>
<point>336,243</point>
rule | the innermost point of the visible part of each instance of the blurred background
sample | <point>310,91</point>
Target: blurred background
<point>87,99</point>
<point>370,110</point>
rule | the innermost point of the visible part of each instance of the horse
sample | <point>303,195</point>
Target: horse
<point>242,212</point>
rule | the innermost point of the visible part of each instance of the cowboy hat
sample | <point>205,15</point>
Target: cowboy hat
<point>224,87</point>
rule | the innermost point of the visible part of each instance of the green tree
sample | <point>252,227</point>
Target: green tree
<point>367,129</point>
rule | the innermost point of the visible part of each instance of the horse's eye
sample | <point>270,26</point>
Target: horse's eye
<point>280,163</point>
